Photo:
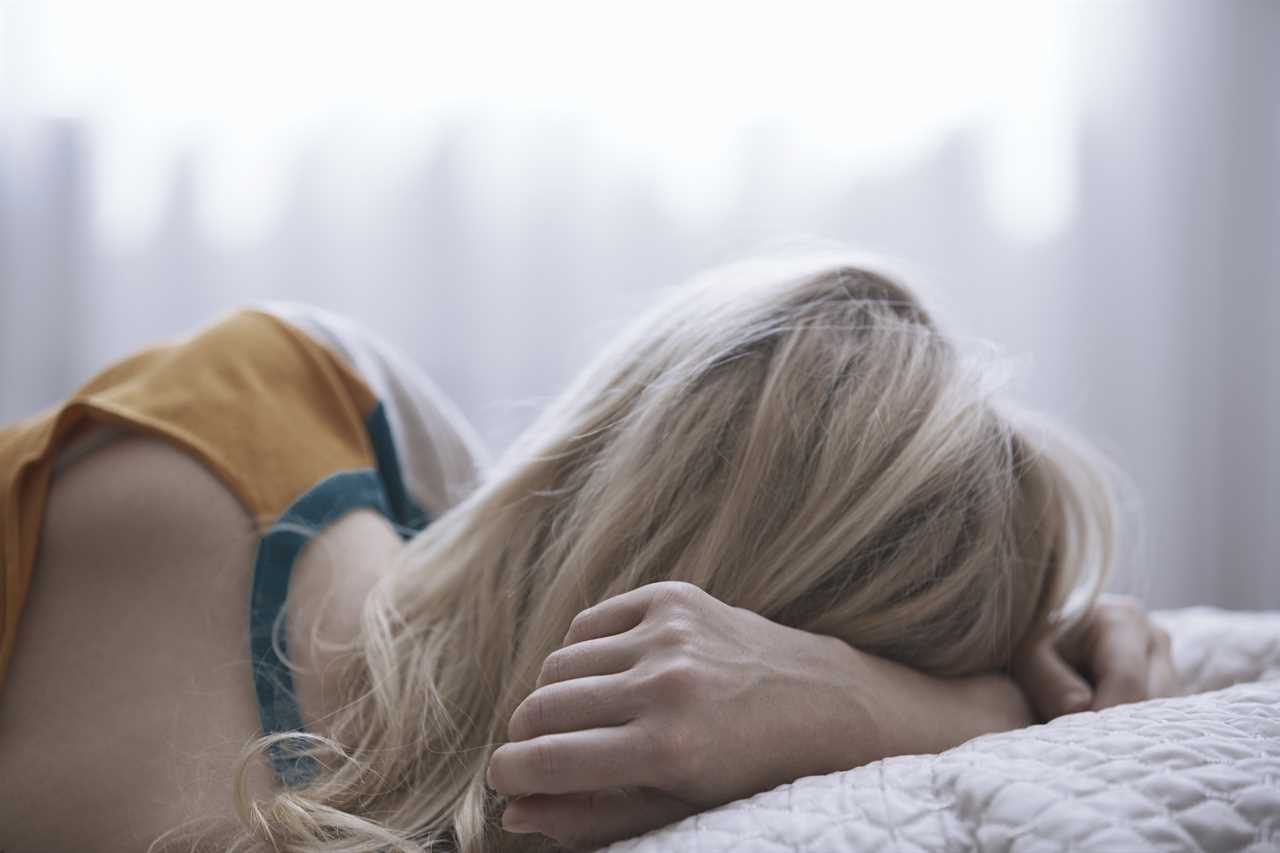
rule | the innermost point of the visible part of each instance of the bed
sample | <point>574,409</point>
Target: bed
<point>1196,772</point>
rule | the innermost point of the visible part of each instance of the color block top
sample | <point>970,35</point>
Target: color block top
<point>300,413</point>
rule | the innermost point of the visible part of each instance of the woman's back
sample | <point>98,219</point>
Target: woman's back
<point>128,697</point>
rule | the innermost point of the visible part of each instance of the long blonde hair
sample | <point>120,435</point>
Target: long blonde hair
<point>794,437</point>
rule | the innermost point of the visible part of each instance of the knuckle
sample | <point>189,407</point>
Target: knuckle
<point>543,757</point>
<point>680,589</point>
<point>552,667</point>
<point>516,729</point>
<point>538,712</point>
<point>677,594</point>
<point>674,632</point>
<point>517,726</point>
<point>642,687</point>
<point>663,684</point>
<point>579,626</point>
<point>676,680</point>
<point>528,719</point>
<point>497,771</point>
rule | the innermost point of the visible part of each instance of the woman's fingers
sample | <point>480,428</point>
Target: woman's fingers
<point>1053,686</point>
<point>574,762</point>
<point>603,656</point>
<point>591,702</point>
<point>625,611</point>
<point>594,818</point>
<point>1119,659</point>
<point>1126,656</point>
<point>1162,676</point>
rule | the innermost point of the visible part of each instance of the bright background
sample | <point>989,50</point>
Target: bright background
<point>497,188</point>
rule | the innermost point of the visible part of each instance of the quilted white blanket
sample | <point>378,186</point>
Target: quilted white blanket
<point>1198,772</point>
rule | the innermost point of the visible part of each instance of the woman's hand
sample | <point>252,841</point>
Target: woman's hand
<point>1116,655</point>
<point>664,701</point>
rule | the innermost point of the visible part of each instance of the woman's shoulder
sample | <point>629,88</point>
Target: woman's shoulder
<point>448,456</point>
<point>326,384</point>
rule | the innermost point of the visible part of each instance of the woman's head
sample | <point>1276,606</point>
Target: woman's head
<point>794,437</point>
<point>799,439</point>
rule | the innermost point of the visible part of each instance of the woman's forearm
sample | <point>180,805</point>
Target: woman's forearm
<point>904,712</point>
<point>721,703</point>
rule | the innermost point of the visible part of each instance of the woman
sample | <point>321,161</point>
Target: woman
<point>779,528</point>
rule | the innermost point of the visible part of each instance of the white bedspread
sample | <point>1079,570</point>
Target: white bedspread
<point>1198,772</point>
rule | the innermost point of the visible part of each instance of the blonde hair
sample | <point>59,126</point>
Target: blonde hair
<point>794,437</point>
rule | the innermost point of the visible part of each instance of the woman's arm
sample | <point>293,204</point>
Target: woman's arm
<point>685,702</point>
<point>914,713</point>
<point>1114,655</point>
<point>665,701</point>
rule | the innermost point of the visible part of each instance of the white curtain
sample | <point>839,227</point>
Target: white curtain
<point>1095,188</point>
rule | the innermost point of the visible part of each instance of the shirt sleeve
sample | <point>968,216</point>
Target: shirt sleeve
<point>444,458</point>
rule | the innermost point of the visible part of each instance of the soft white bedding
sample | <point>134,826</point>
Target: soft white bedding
<point>1197,772</point>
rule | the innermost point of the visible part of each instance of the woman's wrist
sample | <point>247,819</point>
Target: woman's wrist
<point>895,710</point>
